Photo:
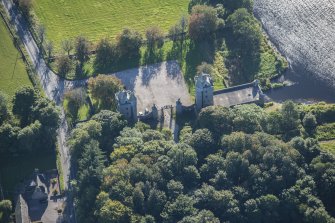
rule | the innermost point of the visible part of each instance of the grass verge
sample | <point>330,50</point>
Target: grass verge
<point>60,170</point>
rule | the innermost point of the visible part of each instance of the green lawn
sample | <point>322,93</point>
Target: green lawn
<point>326,131</point>
<point>83,111</point>
<point>105,18</point>
<point>13,73</point>
<point>328,146</point>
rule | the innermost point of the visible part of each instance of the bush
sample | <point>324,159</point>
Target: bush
<point>205,68</point>
<point>75,99</point>
<point>26,5</point>
<point>323,112</point>
<point>64,65</point>
<point>203,22</point>
<point>103,89</point>
<point>309,122</point>
<point>325,132</point>
<point>55,192</point>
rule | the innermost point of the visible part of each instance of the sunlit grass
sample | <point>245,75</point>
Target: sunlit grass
<point>105,18</point>
<point>13,74</point>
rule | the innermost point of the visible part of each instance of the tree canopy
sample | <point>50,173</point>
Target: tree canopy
<point>226,168</point>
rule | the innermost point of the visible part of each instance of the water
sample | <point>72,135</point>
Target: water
<point>304,32</point>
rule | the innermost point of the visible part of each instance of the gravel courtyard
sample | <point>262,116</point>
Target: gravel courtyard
<point>161,84</point>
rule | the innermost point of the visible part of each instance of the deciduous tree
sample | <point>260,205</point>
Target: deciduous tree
<point>64,65</point>
<point>23,101</point>
<point>67,46</point>
<point>202,23</point>
<point>129,42</point>
<point>82,47</point>
<point>103,89</point>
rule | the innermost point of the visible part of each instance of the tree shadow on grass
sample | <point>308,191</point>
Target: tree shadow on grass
<point>197,53</point>
<point>152,56</point>
<point>118,64</point>
<point>176,51</point>
<point>80,72</point>
<point>243,65</point>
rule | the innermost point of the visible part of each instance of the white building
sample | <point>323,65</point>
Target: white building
<point>127,104</point>
<point>204,92</point>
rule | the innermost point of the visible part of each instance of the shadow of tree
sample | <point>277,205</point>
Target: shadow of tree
<point>176,51</point>
<point>117,64</point>
<point>243,64</point>
<point>152,55</point>
<point>197,53</point>
<point>149,72</point>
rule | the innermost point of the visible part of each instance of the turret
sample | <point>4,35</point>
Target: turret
<point>204,91</point>
<point>127,104</point>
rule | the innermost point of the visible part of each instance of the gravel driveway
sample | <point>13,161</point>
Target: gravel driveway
<point>161,84</point>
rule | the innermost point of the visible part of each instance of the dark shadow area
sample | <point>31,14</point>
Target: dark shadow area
<point>243,64</point>
<point>128,79</point>
<point>197,53</point>
<point>80,72</point>
<point>307,88</point>
<point>149,72</point>
<point>176,51</point>
<point>117,64</point>
<point>188,118</point>
<point>36,209</point>
<point>173,70</point>
<point>153,55</point>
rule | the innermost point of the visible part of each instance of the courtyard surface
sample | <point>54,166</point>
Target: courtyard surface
<point>161,84</point>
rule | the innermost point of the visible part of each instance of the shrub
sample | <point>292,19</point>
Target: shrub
<point>64,65</point>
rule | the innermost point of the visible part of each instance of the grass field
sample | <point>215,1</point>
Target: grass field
<point>328,146</point>
<point>325,132</point>
<point>105,18</point>
<point>13,73</point>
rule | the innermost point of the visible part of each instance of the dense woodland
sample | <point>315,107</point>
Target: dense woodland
<point>28,122</point>
<point>238,164</point>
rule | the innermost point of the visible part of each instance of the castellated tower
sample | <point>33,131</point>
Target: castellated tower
<point>204,92</point>
<point>127,104</point>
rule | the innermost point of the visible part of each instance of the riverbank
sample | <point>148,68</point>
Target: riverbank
<point>294,32</point>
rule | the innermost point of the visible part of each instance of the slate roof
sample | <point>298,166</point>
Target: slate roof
<point>125,96</point>
<point>203,81</point>
<point>242,94</point>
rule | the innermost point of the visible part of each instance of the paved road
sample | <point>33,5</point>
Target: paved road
<point>52,85</point>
